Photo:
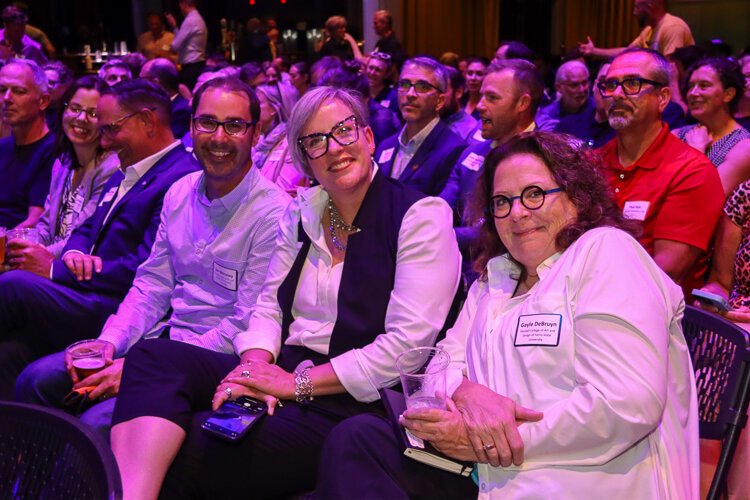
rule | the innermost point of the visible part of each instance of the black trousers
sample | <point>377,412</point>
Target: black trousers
<point>279,456</point>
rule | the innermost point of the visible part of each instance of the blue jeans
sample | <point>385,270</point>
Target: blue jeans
<point>46,382</point>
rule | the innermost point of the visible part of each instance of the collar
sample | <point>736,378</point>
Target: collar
<point>503,272</point>
<point>139,169</point>
<point>232,200</point>
<point>655,155</point>
<point>419,137</point>
<point>530,128</point>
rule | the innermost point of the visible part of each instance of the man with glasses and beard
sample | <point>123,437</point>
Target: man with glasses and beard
<point>656,178</point>
<point>424,152</point>
<point>70,299</point>
<point>209,259</point>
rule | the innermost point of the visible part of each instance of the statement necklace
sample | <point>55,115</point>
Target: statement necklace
<point>337,222</point>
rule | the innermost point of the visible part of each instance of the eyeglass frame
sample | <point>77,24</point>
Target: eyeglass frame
<point>641,81</point>
<point>222,124</point>
<point>86,111</point>
<point>511,199</point>
<point>383,56</point>
<point>111,129</point>
<point>328,136</point>
<point>419,82</point>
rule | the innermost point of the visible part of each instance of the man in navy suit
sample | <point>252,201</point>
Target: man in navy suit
<point>424,152</point>
<point>46,303</point>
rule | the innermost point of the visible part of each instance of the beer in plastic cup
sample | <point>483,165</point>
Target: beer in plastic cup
<point>87,357</point>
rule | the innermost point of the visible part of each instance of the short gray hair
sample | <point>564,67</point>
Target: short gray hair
<point>37,73</point>
<point>562,71</point>
<point>282,96</point>
<point>661,72</point>
<point>434,67</point>
<point>306,108</point>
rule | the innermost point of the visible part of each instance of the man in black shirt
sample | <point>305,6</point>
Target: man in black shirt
<point>26,157</point>
<point>383,24</point>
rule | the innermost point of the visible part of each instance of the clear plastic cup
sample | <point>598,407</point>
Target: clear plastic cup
<point>423,372</point>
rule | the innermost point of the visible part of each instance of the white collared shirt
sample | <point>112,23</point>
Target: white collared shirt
<point>596,345</point>
<point>407,149</point>
<point>190,39</point>
<point>427,259</point>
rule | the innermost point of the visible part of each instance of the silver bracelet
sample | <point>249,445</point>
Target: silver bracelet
<point>303,386</point>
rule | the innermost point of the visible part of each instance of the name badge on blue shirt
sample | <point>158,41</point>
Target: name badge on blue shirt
<point>538,330</point>
<point>225,277</point>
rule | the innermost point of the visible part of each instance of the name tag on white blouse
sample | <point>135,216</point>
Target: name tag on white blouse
<point>386,155</point>
<point>223,276</point>
<point>635,210</point>
<point>538,330</point>
<point>473,162</point>
<point>108,196</point>
<point>385,103</point>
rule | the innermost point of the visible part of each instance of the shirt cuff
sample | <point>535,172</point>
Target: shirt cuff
<point>453,378</point>
<point>348,368</point>
<point>245,341</point>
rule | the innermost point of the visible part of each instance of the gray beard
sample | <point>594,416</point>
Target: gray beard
<point>618,122</point>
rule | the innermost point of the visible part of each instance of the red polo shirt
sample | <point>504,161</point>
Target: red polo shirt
<point>674,190</point>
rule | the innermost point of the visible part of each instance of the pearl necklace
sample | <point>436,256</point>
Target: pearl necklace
<point>337,222</point>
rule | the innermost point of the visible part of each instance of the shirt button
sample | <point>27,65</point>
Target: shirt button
<point>622,176</point>
<point>484,486</point>
<point>617,190</point>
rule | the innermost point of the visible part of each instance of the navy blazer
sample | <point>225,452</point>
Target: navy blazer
<point>180,119</point>
<point>124,241</point>
<point>429,168</point>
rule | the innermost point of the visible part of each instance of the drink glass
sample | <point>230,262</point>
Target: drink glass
<point>87,357</point>
<point>30,234</point>
<point>3,233</point>
<point>423,372</point>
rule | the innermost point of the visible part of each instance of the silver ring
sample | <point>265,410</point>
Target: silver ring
<point>245,373</point>
<point>228,392</point>
<point>488,447</point>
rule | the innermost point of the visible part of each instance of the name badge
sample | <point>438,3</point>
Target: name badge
<point>635,210</point>
<point>78,204</point>
<point>478,136</point>
<point>385,103</point>
<point>225,277</point>
<point>538,330</point>
<point>386,155</point>
<point>473,162</point>
<point>108,196</point>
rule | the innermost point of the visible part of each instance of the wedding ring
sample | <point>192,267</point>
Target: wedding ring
<point>228,392</point>
<point>488,447</point>
<point>245,373</point>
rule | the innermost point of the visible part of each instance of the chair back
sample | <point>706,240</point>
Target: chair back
<point>721,360</point>
<point>47,454</point>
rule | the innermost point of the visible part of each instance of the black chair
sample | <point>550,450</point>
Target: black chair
<point>721,361</point>
<point>46,454</point>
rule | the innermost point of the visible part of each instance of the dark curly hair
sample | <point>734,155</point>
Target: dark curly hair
<point>729,73</point>
<point>64,148</point>
<point>573,169</point>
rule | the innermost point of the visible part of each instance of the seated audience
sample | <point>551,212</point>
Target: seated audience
<point>424,152</point>
<point>79,174</point>
<point>59,79</point>
<point>656,178</point>
<point>299,76</point>
<point>323,65</point>
<point>252,74</point>
<point>26,157</point>
<point>590,125</point>
<point>14,42</point>
<point>475,70</point>
<point>344,294</point>
<point>281,65</point>
<point>115,71</point>
<point>714,88</point>
<point>512,49</point>
<point>601,399</point>
<point>272,154</point>
<point>461,123</point>
<point>57,302</point>
<point>163,72</point>
<point>157,41</point>
<point>572,85</point>
<point>378,72</point>
<point>231,213</point>
<point>383,122</point>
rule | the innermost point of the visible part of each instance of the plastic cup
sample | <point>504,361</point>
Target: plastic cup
<point>87,357</point>
<point>30,234</point>
<point>423,373</point>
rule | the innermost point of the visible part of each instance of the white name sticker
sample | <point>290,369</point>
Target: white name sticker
<point>478,135</point>
<point>473,162</point>
<point>538,330</point>
<point>385,103</point>
<point>108,196</point>
<point>223,276</point>
<point>635,210</point>
<point>386,155</point>
<point>78,203</point>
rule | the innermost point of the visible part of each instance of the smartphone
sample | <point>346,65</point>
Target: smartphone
<point>234,418</point>
<point>711,299</point>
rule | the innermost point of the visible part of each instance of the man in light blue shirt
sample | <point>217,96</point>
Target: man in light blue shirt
<point>189,42</point>
<point>208,262</point>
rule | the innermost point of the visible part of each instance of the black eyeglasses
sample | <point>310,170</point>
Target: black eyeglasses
<point>630,86</point>
<point>383,56</point>
<point>532,197</point>
<point>345,132</point>
<point>421,87</point>
<point>76,110</point>
<point>111,129</point>
<point>208,125</point>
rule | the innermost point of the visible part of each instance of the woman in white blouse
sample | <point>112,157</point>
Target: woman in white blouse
<point>344,294</point>
<point>571,374</point>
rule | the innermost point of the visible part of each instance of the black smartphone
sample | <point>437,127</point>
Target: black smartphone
<point>234,418</point>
